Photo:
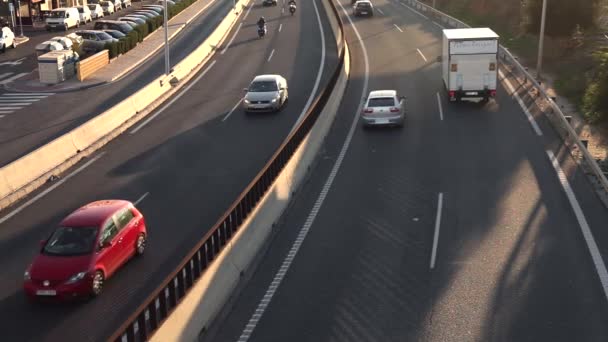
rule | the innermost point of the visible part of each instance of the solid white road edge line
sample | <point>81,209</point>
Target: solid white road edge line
<point>398,28</point>
<point>232,39</point>
<point>141,198</point>
<point>280,25</point>
<point>413,10</point>
<point>421,55</point>
<point>521,104</point>
<point>50,188</point>
<point>437,227</point>
<point>247,13</point>
<point>173,99</point>
<point>598,262</point>
<point>270,57</point>
<point>232,110</point>
<point>319,73</point>
<point>265,301</point>
<point>440,107</point>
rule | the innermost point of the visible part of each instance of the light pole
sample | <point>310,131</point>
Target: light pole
<point>19,12</point>
<point>166,25</point>
<point>541,39</point>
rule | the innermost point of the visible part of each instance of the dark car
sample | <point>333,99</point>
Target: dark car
<point>363,7</point>
<point>269,2</point>
<point>115,33</point>
<point>113,25</point>
<point>94,41</point>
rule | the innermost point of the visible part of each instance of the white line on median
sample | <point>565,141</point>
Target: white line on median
<point>173,99</point>
<point>413,10</point>
<point>398,28</point>
<point>521,104</point>
<point>232,39</point>
<point>280,27</point>
<point>50,188</point>
<point>319,73</point>
<point>283,10</point>
<point>141,198</point>
<point>278,278</point>
<point>421,55</point>
<point>270,57</point>
<point>247,13</point>
<point>598,262</point>
<point>437,227</point>
<point>379,11</point>
<point>440,107</point>
<point>231,111</point>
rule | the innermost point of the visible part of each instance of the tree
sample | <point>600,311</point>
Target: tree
<point>562,16</point>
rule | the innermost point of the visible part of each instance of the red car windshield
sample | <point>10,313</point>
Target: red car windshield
<point>69,241</point>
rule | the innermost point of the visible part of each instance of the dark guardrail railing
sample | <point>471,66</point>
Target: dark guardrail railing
<point>148,317</point>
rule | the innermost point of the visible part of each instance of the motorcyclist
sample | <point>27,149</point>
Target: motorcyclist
<point>261,22</point>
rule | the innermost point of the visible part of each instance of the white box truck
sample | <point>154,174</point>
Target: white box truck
<point>470,63</point>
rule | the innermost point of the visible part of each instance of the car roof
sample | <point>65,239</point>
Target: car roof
<point>268,77</point>
<point>95,213</point>
<point>383,93</point>
<point>363,1</point>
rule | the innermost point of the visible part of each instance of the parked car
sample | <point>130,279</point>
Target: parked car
<point>85,14</point>
<point>135,15</point>
<point>7,39</point>
<point>148,13</point>
<point>94,41</point>
<point>269,2</point>
<point>113,25</point>
<point>129,22</point>
<point>117,5</point>
<point>89,246</point>
<point>126,3</point>
<point>96,11</point>
<point>384,107</point>
<point>63,18</point>
<point>108,7</point>
<point>115,33</point>
<point>363,7</point>
<point>134,20</point>
<point>48,46</point>
<point>64,41</point>
<point>266,93</point>
<point>156,8</point>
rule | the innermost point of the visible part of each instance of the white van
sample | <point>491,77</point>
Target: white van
<point>63,18</point>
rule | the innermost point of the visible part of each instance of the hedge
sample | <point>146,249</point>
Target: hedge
<point>141,31</point>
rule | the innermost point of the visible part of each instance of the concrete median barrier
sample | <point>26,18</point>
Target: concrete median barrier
<point>31,171</point>
<point>208,296</point>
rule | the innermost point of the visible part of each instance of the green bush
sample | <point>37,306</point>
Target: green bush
<point>112,49</point>
<point>595,100</point>
<point>142,32</point>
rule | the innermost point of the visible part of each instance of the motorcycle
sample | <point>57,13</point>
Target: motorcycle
<point>292,9</point>
<point>261,31</point>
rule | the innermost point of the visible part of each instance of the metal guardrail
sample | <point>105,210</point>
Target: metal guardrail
<point>542,100</point>
<point>149,316</point>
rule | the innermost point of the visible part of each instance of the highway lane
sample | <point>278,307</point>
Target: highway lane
<point>24,130</point>
<point>511,262</point>
<point>190,162</point>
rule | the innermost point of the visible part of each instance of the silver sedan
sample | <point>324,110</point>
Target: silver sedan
<point>384,107</point>
<point>266,93</point>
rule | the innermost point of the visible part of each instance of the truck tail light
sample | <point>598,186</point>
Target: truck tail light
<point>394,110</point>
<point>454,67</point>
<point>452,94</point>
<point>493,92</point>
<point>492,66</point>
<point>368,110</point>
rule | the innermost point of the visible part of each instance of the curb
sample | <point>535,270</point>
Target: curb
<point>21,40</point>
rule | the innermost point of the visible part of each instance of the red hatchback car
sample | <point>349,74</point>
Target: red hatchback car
<point>88,247</point>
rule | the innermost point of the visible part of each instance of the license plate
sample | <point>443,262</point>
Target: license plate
<point>381,121</point>
<point>46,292</point>
<point>363,12</point>
<point>471,93</point>
<point>52,25</point>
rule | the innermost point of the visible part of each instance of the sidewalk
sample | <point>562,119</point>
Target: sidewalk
<point>120,65</point>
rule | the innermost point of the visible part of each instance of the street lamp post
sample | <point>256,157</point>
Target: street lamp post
<point>166,25</point>
<point>541,39</point>
<point>19,12</point>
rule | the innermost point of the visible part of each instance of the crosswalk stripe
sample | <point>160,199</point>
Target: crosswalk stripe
<point>12,78</point>
<point>11,107</point>
<point>2,105</point>
<point>6,111</point>
<point>18,100</point>
<point>28,94</point>
<point>5,74</point>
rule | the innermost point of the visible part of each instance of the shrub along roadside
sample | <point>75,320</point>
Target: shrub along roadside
<point>142,31</point>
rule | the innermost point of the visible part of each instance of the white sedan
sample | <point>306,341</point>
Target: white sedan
<point>7,39</point>
<point>384,107</point>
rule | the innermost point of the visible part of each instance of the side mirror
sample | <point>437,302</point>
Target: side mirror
<point>106,244</point>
